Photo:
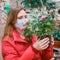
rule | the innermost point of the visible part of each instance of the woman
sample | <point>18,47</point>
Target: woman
<point>16,47</point>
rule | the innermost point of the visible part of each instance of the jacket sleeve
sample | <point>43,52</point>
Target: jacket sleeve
<point>9,53</point>
<point>47,54</point>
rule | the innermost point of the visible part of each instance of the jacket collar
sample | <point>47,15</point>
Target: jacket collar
<point>18,38</point>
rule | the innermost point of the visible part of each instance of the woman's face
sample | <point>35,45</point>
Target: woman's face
<point>21,19</point>
<point>22,15</point>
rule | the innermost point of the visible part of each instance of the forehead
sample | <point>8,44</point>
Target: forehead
<point>21,13</point>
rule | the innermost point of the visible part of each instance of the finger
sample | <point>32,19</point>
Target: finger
<point>47,44</point>
<point>52,41</point>
<point>44,47</point>
<point>43,41</point>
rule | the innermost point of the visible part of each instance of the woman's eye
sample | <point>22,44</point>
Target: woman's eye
<point>25,16</point>
<point>22,17</point>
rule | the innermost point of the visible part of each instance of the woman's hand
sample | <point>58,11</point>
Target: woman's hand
<point>52,41</point>
<point>42,44</point>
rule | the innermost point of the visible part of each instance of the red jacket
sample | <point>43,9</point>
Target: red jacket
<point>17,48</point>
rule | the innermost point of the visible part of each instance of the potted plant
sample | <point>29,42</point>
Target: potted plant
<point>56,35</point>
<point>41,25</point>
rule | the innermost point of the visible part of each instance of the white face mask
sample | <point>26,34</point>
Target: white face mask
<point>21,22</point>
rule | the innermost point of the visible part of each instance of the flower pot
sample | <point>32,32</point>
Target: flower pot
<point>56,44</point>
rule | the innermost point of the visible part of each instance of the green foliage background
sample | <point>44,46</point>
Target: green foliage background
<point>36,3</point>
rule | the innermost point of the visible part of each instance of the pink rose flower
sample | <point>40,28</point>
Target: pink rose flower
<point>22,28</point>
<point>43,17</point>
<point>26,22</point>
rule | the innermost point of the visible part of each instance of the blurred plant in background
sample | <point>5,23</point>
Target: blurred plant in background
<point>35,3</point>
<point>56,33</point>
